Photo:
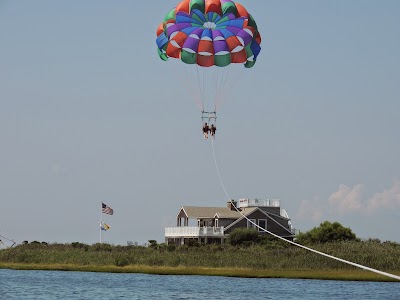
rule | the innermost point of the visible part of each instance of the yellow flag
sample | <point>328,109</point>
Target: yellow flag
<point>104,226</point>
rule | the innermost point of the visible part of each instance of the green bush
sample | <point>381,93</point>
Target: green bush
<point>171,247</point>
<point>79,245</point>
<point>271,242</point>
<point>102,247</point>
<point>153,244</point>
<point>244,237</point>
<point>383,256</point>
<point>121,261</point>
<point>327,232</point>
<point>193,243</point>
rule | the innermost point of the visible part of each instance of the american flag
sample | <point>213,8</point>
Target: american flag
<point>106,209</point>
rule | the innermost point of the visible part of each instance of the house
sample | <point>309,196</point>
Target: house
<point>212,225</point>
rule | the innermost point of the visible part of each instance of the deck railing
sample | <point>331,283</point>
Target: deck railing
<point>295,231</point>
<point>259,202</point>
<point>193,231</point>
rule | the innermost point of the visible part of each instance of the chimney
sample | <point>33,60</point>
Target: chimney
<point>232,205</point>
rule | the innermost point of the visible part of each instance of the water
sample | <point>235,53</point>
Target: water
<point>45,285</point>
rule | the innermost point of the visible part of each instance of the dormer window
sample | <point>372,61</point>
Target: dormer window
<point>252,223</point>
<point>262,223</point>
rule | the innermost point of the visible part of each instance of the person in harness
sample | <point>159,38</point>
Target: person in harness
<point>206,130</point>
<point>213,129</point>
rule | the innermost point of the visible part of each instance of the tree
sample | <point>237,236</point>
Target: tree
<point>327,232</point>
<point>153,244</point>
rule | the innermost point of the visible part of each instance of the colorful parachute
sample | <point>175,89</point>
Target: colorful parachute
<point>209,33</point>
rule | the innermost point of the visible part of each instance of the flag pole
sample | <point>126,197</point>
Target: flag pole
<point>101,219</point>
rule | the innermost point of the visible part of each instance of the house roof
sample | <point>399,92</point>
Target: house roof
<point>210,212</point>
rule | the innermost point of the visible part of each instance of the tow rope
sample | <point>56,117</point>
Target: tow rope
<point>290,242</point>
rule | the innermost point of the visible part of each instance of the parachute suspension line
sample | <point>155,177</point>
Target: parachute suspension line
<point>190,79</point>
<point>231,82</point>
<point>290,242</point>
<point>228,79</point>
<point>187,77</point>
<point>217,86</point>
<point>221,85</point>
<point>216,79</point>
<point>204,88</point>
<point>201,87</point>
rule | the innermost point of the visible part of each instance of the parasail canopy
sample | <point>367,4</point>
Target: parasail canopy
<point>209,33</point>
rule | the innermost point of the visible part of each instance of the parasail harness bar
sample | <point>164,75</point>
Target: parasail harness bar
<point>210,117</point>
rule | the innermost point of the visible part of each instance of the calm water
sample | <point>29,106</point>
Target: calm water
<point>71,285</point>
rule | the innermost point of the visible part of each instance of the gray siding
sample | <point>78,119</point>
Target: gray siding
<point>225,222</point>
<point>271,225</point>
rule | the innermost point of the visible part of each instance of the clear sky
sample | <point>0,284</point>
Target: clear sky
<point>89,113</point>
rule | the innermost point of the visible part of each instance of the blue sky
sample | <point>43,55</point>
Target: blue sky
<point>89,113</point>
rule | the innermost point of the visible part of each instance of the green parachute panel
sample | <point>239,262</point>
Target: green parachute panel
<point>222,60</point>
<point>198,4</point>
<point>229,8</point>
<point>188,58</point>
<point>170,16</point>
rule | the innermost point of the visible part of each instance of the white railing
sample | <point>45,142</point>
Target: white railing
<point>259,203</point>
<point>284,214</point>
<point>295,231</point>
<point>193,231</point>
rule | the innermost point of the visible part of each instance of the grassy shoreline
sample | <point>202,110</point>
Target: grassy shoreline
<point>273,260</point>
<point>340,275</point>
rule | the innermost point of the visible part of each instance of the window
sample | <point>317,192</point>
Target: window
<point>251,223</point>
<point>263,224</point>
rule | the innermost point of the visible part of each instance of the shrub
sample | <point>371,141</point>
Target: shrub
<point>327,232</point>
<point>153,244</point>
<point>271,242</point>
<point>171,247</point>
<point>244,237</point>
<point>79,245</point>
<point>193,243</point>
<point>102,247</point>
<point>121,261</point>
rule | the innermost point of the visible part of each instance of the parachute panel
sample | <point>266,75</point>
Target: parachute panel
<point>197,4</point>
<point>184,6</point>
<point>209,32</point>
<point>188,57</point>
<point>222,60</point>
<point>213,6</point>
<point>229,8</point>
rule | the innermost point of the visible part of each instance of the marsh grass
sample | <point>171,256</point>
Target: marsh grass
<point>283,261</point>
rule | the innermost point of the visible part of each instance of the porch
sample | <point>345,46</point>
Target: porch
<point>175,232</point>
<point>203,235</point>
